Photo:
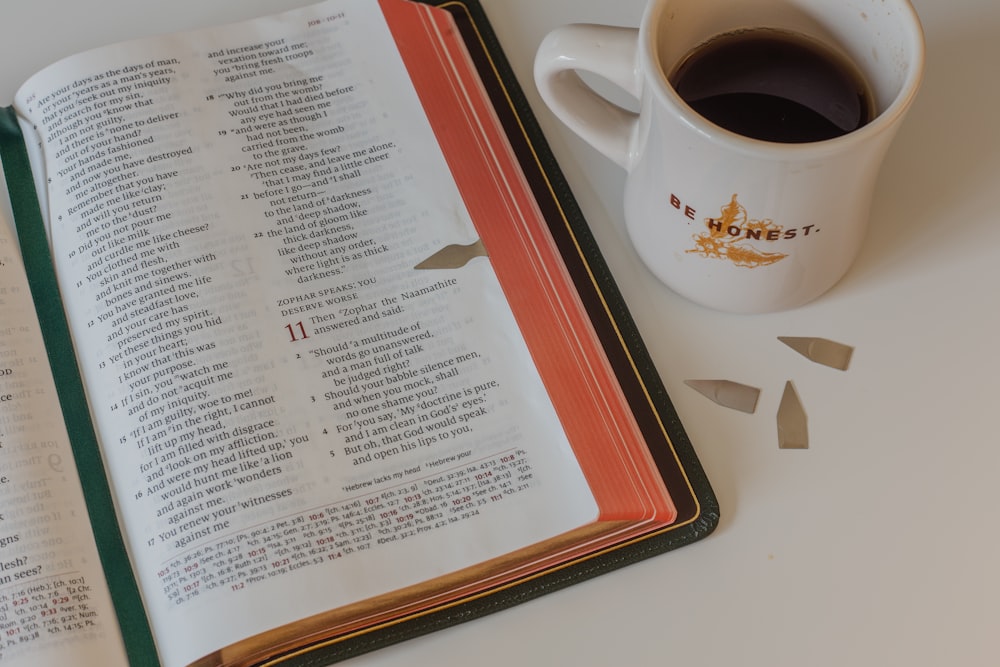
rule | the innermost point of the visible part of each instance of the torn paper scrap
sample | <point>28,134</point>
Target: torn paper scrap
<point>453,256</point>
<point>727,393</point>
<point>793,430</point>
<point>820,350</point>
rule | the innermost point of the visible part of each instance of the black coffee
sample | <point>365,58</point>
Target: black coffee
<point>774,85</point>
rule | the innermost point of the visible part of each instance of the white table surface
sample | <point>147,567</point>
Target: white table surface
<point>878,545</point>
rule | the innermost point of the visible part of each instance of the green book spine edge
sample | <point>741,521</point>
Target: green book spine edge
<point>139,644</point>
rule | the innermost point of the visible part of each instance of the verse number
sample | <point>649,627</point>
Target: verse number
<point>297,331</point>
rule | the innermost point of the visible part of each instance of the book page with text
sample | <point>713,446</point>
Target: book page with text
<point>294,417</point>
<point>54,603</point>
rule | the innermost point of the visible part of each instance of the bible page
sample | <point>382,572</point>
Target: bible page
<point>54,603</point>
<point>294,417</point>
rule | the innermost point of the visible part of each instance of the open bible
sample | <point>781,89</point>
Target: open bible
<point>305,348</point>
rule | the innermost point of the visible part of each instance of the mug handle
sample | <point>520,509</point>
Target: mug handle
<point>610,53</point>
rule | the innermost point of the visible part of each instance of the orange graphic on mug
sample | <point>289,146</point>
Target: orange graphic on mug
<point>729,237</point>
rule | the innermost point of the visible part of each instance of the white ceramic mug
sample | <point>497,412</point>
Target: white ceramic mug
<point>730,222</point>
